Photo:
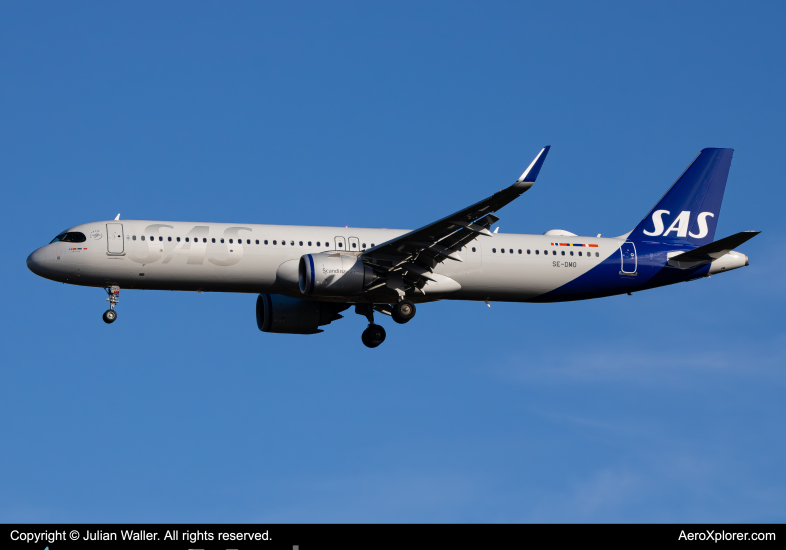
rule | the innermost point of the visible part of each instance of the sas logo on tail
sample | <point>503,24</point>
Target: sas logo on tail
<point>679,225</point>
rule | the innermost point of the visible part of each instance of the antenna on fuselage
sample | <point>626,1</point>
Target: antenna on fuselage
<point>118,216</point>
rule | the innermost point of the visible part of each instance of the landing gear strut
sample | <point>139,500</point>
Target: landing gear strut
<point>403,312</point>
<point>110,314</point>
<point>374,335</point>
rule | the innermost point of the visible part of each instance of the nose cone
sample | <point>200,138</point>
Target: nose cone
<point>35,262</point>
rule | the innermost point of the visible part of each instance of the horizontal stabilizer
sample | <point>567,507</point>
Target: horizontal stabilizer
<point>716,249</point>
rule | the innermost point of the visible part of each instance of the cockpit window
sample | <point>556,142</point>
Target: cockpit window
<point>72,237</point>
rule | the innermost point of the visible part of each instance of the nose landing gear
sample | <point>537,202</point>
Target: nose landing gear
<point>110,314</point>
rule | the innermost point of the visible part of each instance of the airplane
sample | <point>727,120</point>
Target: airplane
<point>305,276</point>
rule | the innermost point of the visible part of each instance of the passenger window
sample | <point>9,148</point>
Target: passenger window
<point>213,239</point>
<point>554,252</point>
<point>222,241</point>
<point>563,252</point>
<point>257,241</point>
<point>248,241</point>
<point>372,245</point>
<point>597,254</point>
<point>571,253</point>
<point>309,243</point>
<point>536,252</point>
<point>511,251</point>
<point>292,243</point>
<point>265,241</point>
<point>143,237</point>
<point>318,243</point>
<point>354,245</point>
<point>169,239</point>
<point>230,241</point>
<point>473,249</point>
<point>579,252</point>
<point>301,243</point>
<point>502,250</point>
<point>519,251</point>
<point>134,238</point>
<point>528,251</point>
<point>364,245</point>
<point>340,245</point>
<point>178,239</point>
<point>494,250</point>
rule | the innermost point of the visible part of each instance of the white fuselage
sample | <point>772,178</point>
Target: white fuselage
<point>256,258</point>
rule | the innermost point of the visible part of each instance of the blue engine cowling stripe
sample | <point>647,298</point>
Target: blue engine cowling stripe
<point>311,262</point>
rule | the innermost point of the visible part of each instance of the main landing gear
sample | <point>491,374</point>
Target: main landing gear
<point>110,314</point>
<point>403,312</point>
<point>374,335</point>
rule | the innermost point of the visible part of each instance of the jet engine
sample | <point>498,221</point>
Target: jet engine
<point>285,315</point>
<point>333,274</point>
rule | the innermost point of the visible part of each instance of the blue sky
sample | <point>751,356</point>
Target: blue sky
<point>661,406</point>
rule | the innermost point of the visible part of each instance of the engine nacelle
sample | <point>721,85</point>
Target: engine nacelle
<point>285,315</point>
<point>333,274</point>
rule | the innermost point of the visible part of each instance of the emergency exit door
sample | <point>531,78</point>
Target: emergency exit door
<point>629,260</point>
<point>114,238</point>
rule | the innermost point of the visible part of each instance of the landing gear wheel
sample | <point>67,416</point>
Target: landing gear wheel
<point>373,336</point>
<point>114,297</point>
<point>403,311</point>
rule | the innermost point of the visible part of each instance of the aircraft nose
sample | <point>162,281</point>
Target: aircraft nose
<point>35,261</point>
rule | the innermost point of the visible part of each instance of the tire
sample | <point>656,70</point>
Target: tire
<point>109,316</point>
<point>403,312</point>
<point>373,336</point>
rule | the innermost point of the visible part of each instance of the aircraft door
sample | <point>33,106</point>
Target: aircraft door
<point>114,238</point>
<point>354,244</point>
<point>629,260</point>
<point>340,244</point>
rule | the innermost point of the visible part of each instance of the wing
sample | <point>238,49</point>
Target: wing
<point>414,255</point>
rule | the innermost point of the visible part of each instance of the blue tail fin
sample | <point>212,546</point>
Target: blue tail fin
<point>688,213</point>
